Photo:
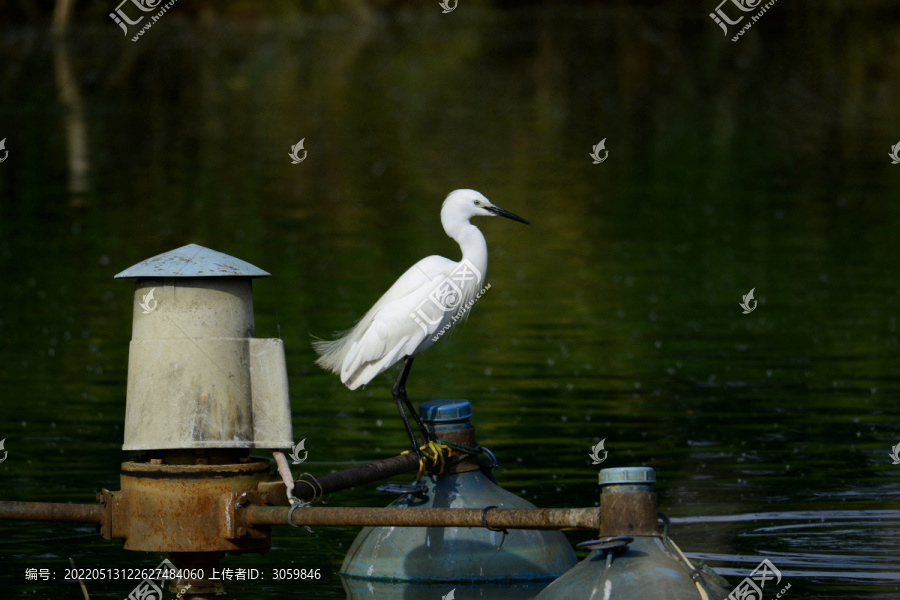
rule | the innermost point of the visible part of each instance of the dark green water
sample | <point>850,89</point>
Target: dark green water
<point>758,164</point>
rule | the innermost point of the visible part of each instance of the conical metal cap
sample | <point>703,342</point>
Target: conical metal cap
<point>192,261</point>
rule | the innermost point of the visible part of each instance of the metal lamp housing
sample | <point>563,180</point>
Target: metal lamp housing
<point>197,378</point>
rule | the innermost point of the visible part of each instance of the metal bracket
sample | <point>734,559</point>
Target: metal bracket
<point>237,527</point>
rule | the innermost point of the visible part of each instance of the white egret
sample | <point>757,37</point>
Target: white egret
<point>407,319</point>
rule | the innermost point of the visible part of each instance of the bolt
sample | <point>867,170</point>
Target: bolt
<point>242,532</point>
<point>243,499</point>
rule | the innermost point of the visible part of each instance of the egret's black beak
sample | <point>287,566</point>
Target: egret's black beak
<point>505,213</point>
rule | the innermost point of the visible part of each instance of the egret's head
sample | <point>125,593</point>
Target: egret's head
<point>465,204</point>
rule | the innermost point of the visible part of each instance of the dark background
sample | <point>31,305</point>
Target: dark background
<point>761,163</point>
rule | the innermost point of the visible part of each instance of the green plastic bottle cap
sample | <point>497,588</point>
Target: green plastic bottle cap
<point>443,411</point>
<point>627,476</point>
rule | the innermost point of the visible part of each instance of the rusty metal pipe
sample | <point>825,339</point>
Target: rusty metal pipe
<point>342,480</point>
<point>48,511</point>
<point>494,518</point>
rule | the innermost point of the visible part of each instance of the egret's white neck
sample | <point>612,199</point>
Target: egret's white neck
<point>470,240</point>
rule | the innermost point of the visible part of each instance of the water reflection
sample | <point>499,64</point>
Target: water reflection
<point>75,124</point>
<point>815,548</point>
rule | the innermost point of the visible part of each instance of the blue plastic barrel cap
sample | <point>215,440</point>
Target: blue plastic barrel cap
<point>443,411</point>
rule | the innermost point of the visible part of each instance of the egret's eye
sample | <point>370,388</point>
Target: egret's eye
<point>476,203</point>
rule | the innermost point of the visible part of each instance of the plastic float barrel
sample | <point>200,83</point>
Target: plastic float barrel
<point>380,557</point>
<point>633,559</point>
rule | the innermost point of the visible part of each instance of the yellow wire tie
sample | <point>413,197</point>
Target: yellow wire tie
<point>438,451</point>
<point>436,457</point>
<point>421,470</point>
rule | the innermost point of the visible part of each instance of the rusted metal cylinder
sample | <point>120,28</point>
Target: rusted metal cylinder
<point>495,518</point>
<point>376,471</point>
<point>629,514</point>
<point>628,504</point>
<point>183,508</point>
<point>47,511</point>
<point>466,462</point>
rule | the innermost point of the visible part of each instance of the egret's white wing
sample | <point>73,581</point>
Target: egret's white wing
<point>392,335</point>
<point>415,278</point>
<point>335,355</point>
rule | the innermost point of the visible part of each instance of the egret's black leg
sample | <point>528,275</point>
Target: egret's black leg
<point>400,392</point>
<point>400,398</point>
<point>404,374</point>
<point>412,438</point>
